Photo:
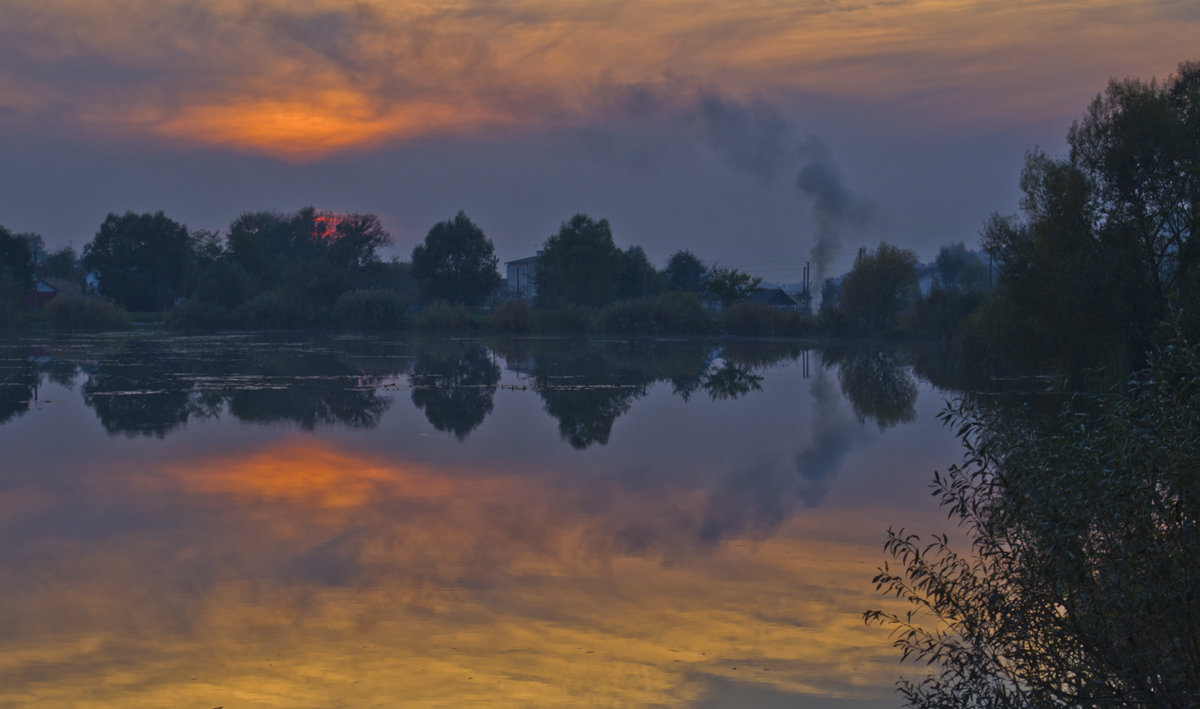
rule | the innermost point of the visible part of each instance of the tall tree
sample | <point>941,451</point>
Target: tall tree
<point>579,265</point>
<point>730,285</point>
<point>881,285</point>
<point>141,260</point>
<point>457,263</point>
<point>16,267</point>
<point>686,272</point>
<point>1105,247</point>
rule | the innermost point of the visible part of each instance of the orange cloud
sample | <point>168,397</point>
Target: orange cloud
<point>302,80</point>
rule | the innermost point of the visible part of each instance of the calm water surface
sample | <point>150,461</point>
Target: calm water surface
<point>254,521</point>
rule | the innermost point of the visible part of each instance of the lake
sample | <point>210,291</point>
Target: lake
<point>317,521</point>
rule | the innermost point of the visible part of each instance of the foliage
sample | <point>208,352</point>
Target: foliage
<point>310,256</point>
<point>440,316</point>
<point>193,314</point>
<point>511,316</point>
<point>685,272</point>
<point>457,263</point>
<point>957,268</point>
<point>673,313</point>
<point>758,320</point>
<point>729,285</point>
<point>223,282</point>
<point>371,309</point>
<point>16,268</point>
<point>276,310</point>
<point>1106,243</point>
<point>62,265</point>
<point>881,285</point>
<point>636,276</point>
<point>944,313</point>
<point>579,265</point>
<point>75,313</point>
<point>1080,588</point>
<point>141,260</point>
<point>561,321</point>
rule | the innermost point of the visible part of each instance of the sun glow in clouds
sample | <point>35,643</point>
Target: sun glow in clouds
<point>302,80</point>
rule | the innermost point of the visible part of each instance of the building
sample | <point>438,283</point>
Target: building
<point>41,294</point>
<point>522,277</point>
<point>774,297</point>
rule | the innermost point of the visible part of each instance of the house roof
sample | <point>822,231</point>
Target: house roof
<point>522,261</point>
<point>772,296</point>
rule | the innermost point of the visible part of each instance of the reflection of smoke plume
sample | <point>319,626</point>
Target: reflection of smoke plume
<point>833,437</point>
<point>835,208</point>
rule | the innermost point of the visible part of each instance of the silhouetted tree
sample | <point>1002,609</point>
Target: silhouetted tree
<point>881,285</point>
<point>1105,245</point>
<point>636,276</point>
<point>579,265</point>
<point>457,263</point>
<point>16,268</point>
<point>1079,586</point>
<point>956,267</point>
<point>685,272</point>
<point>141,260</point>
<point>730,285</point>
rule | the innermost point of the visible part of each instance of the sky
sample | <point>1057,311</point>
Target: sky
<point>759,134</point>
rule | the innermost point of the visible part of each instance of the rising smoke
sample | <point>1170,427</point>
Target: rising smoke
<point>754,136</point>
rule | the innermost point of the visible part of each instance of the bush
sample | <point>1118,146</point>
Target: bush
<point>758,320</point>
<point>10,317</point>
<point>943,314</point>
<point>71,313</point>
<point>277,311</point>
<point>511,316</point>
<point>193,314</point>
<point>371,309</point>
<point>440,316</point>
<point>673,313</point>
<point>1080,586</point>
<point>574,319</point>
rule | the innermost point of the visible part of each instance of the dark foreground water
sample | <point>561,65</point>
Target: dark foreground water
<point>265,521</point>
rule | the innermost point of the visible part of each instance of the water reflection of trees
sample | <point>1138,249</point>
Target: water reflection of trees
<point>138,391</point>
<point>152,385</point>
<point>586,385</point>
<point>877,383</point>
<point>454,383</point>
<point>147,386</point>
<point>18,382</point>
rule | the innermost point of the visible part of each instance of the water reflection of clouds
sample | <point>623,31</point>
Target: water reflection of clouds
<point>354,566</point>
<point>410,580</point>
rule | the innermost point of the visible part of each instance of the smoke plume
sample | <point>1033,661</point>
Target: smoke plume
<point>836,209</point>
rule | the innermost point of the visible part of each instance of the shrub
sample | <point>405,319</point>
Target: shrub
<point>758,320</point>
<point>194,314</point>
<point>675,313</point>
<point>371,309</point>
<point>511,316</point>
<point>1079,588</point>
<point>943,313</point>
<point>10,317</point>
<point>572,319</point>
<point>440,316</point>
<point>71,313</point>
<point>274,311</point>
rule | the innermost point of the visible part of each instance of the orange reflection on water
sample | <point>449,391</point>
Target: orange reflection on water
<point>432,587</point>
